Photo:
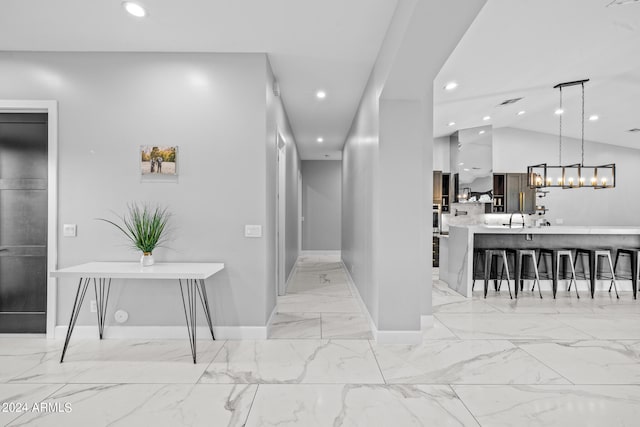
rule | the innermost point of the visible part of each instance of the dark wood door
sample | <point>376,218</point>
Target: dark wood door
<point>512,195</point>
<point>23,222</point>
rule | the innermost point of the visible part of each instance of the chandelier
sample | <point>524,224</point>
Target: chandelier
<point>575,175</point>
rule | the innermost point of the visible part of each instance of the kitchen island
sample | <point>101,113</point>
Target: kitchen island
<point>456,251</point>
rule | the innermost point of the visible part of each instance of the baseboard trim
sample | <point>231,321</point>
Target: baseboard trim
<point>273,313</point>
<point>310,253</point>
<point>426,321</point>
<point>382,337</point>
<point>363,307</point>
<point>166,332</point>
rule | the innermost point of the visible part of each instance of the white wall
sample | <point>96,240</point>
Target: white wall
<point>213,106</point>
<point>321,205</point>
<point>421,36</point>
<point>515,149</point>
<point>277,121</point>
<point>441,154</point>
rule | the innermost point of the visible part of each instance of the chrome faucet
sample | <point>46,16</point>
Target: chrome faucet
<point>511,219</point>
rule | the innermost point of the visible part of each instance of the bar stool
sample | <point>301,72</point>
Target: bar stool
<point>520,255</point>
<point>489,257</point>
<point>478,266</point>
<point>594,256</point>
<point>634,261</point>
<point>557,256</point>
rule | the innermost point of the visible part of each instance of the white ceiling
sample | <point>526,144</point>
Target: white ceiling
<point>312,44</point>
<point>522,48</point>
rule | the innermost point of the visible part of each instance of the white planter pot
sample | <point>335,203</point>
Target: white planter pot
<point>147,259</point>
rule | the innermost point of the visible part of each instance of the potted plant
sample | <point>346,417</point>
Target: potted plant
<point>145,227</point>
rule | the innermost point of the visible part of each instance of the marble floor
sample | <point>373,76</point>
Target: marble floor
<point>493,362</point>
<point>320,303</point>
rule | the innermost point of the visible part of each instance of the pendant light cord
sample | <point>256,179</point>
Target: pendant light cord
<point>560,132</point>
<point>582,136</point>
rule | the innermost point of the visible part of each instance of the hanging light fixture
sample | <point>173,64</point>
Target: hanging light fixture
<point>575,175</point>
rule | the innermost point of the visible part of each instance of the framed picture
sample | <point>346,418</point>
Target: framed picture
<point>158,160</point>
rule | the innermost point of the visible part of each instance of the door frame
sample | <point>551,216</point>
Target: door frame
<point>300,217</point>
<point>281,211</point>
<point>51,108</point>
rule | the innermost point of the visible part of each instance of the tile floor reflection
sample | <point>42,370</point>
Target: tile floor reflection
<point>493,362</point>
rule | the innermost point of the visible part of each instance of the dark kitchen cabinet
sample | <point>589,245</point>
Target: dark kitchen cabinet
<point>518,196</point>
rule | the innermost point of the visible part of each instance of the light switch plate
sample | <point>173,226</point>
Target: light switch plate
<point>69,230</point>
<point>252,231</point>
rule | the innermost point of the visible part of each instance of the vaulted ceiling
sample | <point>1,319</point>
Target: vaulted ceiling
<point>522,48</point>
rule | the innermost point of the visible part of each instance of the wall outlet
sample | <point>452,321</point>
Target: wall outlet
<point>94,307</point>
<point>252,231</point>
<point>559,221</point>
<point>69,230</point>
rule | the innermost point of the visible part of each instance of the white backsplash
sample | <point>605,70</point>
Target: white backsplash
<point>475,215</point>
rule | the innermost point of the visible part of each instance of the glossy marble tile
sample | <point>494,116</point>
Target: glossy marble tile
<point>357,405</point>
<point>18,399</point>
<point>345,326</point>
<point>462,362</point>
<point>550,406</point>
<point>333,290</point>
<point>294,361</point>
<point>437,332</point>
<point>466,305</point>
<point>509,326</point>
<point>303,303</point>
<point>146,405</point>
<point>295,325</point>
<point>531,304</point>
<point>18,355</point>
<point>590,362</point>
<point>125,361</point>
<point>621,326</point>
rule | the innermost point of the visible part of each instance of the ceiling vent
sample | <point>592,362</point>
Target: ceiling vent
<point>623,2</point>
<point>510,101</point>
<point>634,130</point>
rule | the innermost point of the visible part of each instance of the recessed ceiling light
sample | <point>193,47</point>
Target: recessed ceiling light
<point>134,9</point>
<point>481,132</point>
<point>461,164</point>
<point>451,124</point>
<point>451,86</point>
<point>485,118</point>
<point>558,111</point>
<point>320,139</point>
<point>593,117</point>
<point>521,112</point>
<point>466,169</point>
<point>321,94</point>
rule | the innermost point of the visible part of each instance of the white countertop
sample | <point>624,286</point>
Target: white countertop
<point>133,270</point>
<point>553,229</point>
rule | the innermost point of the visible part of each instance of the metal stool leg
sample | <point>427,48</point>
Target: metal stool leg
<point>573,276</point>
<point>506,267</point>
<point>613,276</point>
<point>535,270</point>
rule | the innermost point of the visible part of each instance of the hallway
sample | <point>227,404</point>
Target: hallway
<point>320,303</point>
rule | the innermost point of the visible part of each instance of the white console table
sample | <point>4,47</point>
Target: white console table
<point>190,277</point>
